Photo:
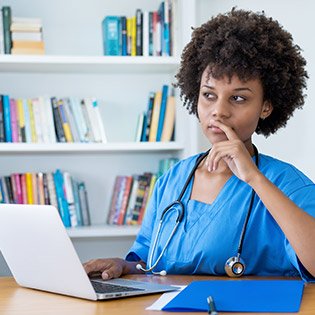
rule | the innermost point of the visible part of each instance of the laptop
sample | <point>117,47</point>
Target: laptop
<point>40,255</point>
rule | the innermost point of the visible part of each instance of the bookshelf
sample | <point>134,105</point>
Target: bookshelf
<point>74,66</point>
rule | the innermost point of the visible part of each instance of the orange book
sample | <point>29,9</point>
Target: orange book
<point>169,120</point>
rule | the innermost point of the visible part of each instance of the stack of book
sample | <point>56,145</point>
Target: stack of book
<point>59,189</point>
<point>131,195</point>
<point>27,36</point>
<point>157,123</point>
<point>20,35</point>
<point>50,120</point>
<point>144,34</point>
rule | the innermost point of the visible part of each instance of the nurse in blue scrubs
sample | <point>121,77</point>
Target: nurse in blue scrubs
<point>241,73</point>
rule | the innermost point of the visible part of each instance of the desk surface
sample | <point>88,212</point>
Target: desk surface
<point>21,301</point>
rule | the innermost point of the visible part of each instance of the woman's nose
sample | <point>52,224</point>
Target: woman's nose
<point>220,109</point>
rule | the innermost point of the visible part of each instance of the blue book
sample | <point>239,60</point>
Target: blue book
<point>111,35</point>
<point>76,198</point>
<point>7,118</point>
<point>61,198</point>
<point>123,21</point>
<point>240,296</point>
<point>162,112</point>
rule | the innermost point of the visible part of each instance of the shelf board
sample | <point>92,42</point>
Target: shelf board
<point>90,147</point>
<point>103,231</point>
<point>87,64</point>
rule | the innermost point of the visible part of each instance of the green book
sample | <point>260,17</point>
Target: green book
<point>7,18</point>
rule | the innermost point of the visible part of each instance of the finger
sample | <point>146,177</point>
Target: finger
<point>229,132</point>
<point>94,266</point>
<point>113,271</point>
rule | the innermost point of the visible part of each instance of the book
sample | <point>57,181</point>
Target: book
<point>132,199</point>
<point>40,188</point>
<point>14,120</point>
<point>32,121</point>
<point>21,119</point>
<point>25,24</point>
<point>139,39</point>
<point>57,120</point>
<point>89,135</point>
<point>155,116</point>
<point>75,189</point>
<point>61,198</point>
<point>7,180</point>
<point>162,112</point>
<point>139,127</point>
<point>149,115</point>
<point>4,190</point>
<point>84,204</point>
<point>35,188</point>
<point>52,190</point>
<point>111,35</point>
<point>72,124</point>
<point>23,188</point>
<point>6,20</point>
<point>145,34</point>
<point>112,207</point>
<point>169,119</point>
<point>124,42</point>
<point>49,118</point>
<point>125,200</point>
<point>70,198</point>
<point>2,133</point>
<point>7,118</point>
<point>38,125</point>
<point>27,119</point>
<point>64,121</point>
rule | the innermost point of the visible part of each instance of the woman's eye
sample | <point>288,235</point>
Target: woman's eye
<point>209,96</point>
<point>238,99</point>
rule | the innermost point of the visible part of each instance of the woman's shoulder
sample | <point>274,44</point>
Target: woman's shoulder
<point>282,173</point>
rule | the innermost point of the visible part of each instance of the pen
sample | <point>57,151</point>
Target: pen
<point>212,309</point>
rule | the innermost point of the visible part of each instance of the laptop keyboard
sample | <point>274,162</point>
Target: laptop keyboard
<point>102,287</point>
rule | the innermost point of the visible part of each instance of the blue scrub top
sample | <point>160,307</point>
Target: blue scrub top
<point>209,233</point>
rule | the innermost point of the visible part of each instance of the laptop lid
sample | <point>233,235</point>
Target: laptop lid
<point>40,254</point>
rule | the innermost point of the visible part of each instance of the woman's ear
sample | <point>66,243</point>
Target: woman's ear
<point>266,110</point>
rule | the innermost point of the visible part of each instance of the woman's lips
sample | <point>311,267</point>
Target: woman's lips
<point>216,130</point>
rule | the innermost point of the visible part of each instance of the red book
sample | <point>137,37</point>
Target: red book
<point>125,200</point>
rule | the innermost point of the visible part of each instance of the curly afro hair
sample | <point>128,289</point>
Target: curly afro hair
<point>251,46</point>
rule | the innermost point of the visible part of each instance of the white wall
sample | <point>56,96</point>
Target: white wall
<point>295,143</point>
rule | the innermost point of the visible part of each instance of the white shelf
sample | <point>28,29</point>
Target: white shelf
<point>103,231</point>
<point>87,64</point>
<point>90,147</point>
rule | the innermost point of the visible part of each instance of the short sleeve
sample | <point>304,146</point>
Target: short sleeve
<point>305,199</point>
<point>140,248</point>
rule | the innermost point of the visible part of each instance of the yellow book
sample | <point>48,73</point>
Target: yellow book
<point>133,36</point>
<point>65,122</point>
<point>29,188</point>
<point>155,116</point>
<point>169,120</point>
<point>129,31</point>
<point>21,119</point>
<point>32,121</point>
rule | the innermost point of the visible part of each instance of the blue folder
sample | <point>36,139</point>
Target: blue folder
<point>240,296</point>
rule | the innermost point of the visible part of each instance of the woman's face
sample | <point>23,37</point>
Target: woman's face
<point>237,104</point>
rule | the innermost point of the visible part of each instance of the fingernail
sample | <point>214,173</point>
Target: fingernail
<point>105,276</point>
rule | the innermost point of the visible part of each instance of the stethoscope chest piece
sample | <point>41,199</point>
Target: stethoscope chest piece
<point>234,267</point>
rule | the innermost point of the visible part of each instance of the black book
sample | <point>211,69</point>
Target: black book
<point>2,136</point>
<point>139,33</point>
<point>57,121</point>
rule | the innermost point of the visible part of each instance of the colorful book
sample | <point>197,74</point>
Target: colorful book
<point>14,120</point>
<point>7,118</point>
<point>65,121</point>
<point>2,134</point>
<point>61,198</point>
<point>162,112</point>
<point>155,116</point>
<point>57,120</point>
<point>169,120</point>
<point>123,21</point>
<point>111,35</point>
<point>125,200</point>
<point>6,20</point>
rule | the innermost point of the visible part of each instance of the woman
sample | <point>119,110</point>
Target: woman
<point>240,74</point>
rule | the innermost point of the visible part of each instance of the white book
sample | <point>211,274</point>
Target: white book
<point>52,190</point>
<point>139,127</point>
<point>50,121</point>
<point>27,119</point>
<point>43,120</point>
<point>93,119</point>
<point>145,32</point>
<point>27,36</point>
<point>86,117</point>
<point>37,119</point>
<point>71,121</point>
<point>75,105</point>
<point>70,198</point>
<point>100,123</point>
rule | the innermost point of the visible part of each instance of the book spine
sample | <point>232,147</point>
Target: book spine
<point>84,204</point>
<point>5,194</point>
<point>70,199</point>
<point>14,120</point>
<point>7,118</point>
<point>162,112</point>
<point>112,209</point>
<point>65,121</point>
<point>62,202</point>
<point>32,121</point>
<point>20,110</point>
<point>169,120</point>
<point>149,115</point>
<point>18,184</point>
<point>8,184</point>
<point>23,188</point>
<point>2,134</point>
<point>57,121</point>
<point>76,198</point>
<point>40,188</point>
<point>133,36</point>
<point>111,35</point>
<point>125,200</point>
<point>124,51</point>
<point>46,190</point>
<point>7,19</point>
<point>139,39</point>
<point>28,131</point>
<point>155,116</point>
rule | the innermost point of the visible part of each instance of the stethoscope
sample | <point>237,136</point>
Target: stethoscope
<point>234,266</point>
